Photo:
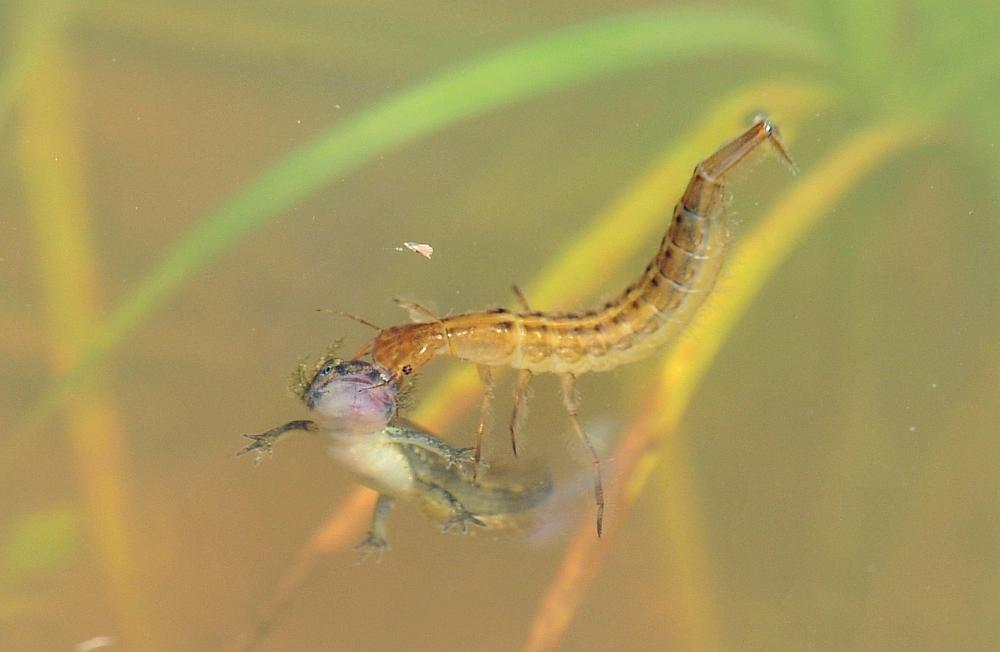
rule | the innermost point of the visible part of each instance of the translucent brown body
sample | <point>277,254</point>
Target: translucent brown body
<point>649,313</point>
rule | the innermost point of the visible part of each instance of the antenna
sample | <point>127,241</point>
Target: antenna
<point>341,313</point>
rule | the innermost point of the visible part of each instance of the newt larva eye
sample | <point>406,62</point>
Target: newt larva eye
<point>407,369</point>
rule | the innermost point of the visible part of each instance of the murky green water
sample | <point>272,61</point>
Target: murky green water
<point>831,486</point>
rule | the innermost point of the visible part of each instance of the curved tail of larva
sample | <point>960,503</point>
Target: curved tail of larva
<point>650,312</point>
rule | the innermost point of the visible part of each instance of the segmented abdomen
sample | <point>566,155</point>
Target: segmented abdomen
<point>651,311</point>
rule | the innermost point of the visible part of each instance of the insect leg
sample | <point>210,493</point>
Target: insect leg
<point>572,402</point>
<point>486,375</point>
<point>360,320</point>
<point>521,297</point>
<point>520,405</point>
<point>418,314</point>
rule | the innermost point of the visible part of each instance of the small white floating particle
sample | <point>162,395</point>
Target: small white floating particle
<point>913,428</point>
<point>424,250</point>
<point>933,385</point>
<point>94,643</point>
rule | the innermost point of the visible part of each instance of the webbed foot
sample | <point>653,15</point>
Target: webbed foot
<point>264,442</point>
<point>462,518</point>
<point>372,545</point>
<point>262,445</point>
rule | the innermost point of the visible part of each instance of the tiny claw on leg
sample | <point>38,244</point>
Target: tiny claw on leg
<point>372,545</point>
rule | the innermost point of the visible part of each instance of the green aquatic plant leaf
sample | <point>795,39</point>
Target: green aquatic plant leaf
<point>864,28</point>
<point>34,27</point>
<point>546,63</point>
<point>52,161</point>
<point>40,543</point>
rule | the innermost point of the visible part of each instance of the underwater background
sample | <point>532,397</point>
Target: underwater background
<point>183,184</point>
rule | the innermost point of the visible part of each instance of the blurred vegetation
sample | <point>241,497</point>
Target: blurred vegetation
<point>36,544</point>
<point>884,76</point>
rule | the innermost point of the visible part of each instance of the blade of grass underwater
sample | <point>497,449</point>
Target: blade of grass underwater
<point>35,28</point>
<point>38,544</point>
<point>549,62</point>
<point>632,221</point>
<point>865,30</point>
<point>53,171</point>
<point>756,258</point>
<point>251,35</point>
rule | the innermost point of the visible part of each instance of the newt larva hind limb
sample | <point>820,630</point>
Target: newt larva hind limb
<point>649,313</point>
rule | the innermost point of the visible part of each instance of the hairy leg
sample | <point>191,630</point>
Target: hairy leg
<point>572,403</point>
<point>486,375</point>
<point>520,405</point>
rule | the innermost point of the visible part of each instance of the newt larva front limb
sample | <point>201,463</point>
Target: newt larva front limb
<point>263,444</point>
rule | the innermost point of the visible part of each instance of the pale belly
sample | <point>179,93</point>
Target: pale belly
<point>379,463</point>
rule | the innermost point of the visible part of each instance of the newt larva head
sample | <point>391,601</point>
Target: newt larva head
<point>351,396</point>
